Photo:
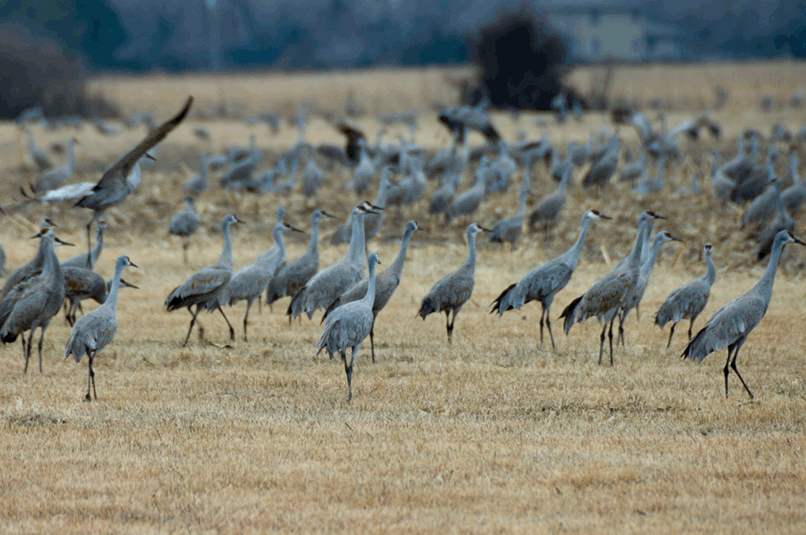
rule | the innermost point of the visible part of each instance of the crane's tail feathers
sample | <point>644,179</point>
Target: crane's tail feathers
<point>570,314</point>
<point>295,307</point>
<point>696,348</point>
<point>503,302</point>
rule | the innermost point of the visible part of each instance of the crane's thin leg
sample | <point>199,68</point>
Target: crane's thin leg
<point>671,333</point>
<point>551,334</point>
<point>610,339</point>
<point>231,329</point>
<point>638,313</point>
<point>733,365</point>
<point>246,318</point>
<point>185,248</point>
<point>601,342</point>
<point>91,378</point>
<point>348,369</point>
<point>42,330</point>
<point>448,325</point>
<point>372,339</point>
<point>192,322</point>
<point>690,325</point>
<point>25,354</point>
<point>542,314</point>
<point>726,370</point>
<point>89,243</point>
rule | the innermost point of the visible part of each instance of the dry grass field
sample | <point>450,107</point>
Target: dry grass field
<point>492,435</point>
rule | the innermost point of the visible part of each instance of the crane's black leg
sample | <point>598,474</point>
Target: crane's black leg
<point>91,378</point>
<point>551,334</point>
<point>449,325</point>
<point>610,339</point>
<point>372,339</point>
<point>671,333</point>
<point>542,314</point>
<point>621,319</point>
<point>726,370</point>
<point>39,346</point>
<point>185,249</point>
<point>89,243</point>
<point>246,318</point>
<point>25,354</point>
<point>231,330</point>
<point>638,313</point>
<point>733,365</point>
<point>348,369</point>
<point>601,342</point>
<point>690,325</point>
<point>192,323</point>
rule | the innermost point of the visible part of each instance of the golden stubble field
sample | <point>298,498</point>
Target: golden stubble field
<point>493,434</point>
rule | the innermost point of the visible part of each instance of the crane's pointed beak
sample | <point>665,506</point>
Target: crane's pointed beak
<point>798,241</point>
<point>675,238</point>
<point>602,216</point>
<point>484,229</point>
<point>132,264</point>
<point>327,214</point>
<point>295,229</point>
<point>375,207</point>
<point>147,155</point>
<point>62,242</point>
<point>128,284</point>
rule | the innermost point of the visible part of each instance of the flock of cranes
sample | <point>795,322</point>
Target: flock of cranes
<point>351,301</point>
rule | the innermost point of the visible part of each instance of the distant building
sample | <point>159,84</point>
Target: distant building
<point>601,30</point>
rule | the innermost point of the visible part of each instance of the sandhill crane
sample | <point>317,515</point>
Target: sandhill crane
<point>295,275</point>
<point>327,285</point>
<point>114,186</point>
<point>239,173</point>
<point>721,185</point>
<point>559,167</point>
<point>509,229</point>
<point>198,183</point>
<point>459,119</point>
<point>468,202</point>
<point>33,302</point>
<point>739,168</point>
<point>548,209</point>
<point>57,176</point>
<point>372,222</point>
<point>31,268</point>
<point>365,171</point>
<point>93,332</point>
<point>204,286</point>
<point>386,283</point>
<point>636,293</point>
<point>781,221</point>
<point>452,291</point>
<point>40,159</point>
<point>751,187</point>
<point>763,207</point>
<point>604,168</point>
<point>441,199</point>
<point>249,283</point>
<point>793,196</point>
<point>349,325</point>
<point>545,281</point>
<point>287,187</point>
<point>82,260</point>
<point>635,169</point>
<point>81,284</point>
<point>731,324</point>
<point>312,176</point>
<point>651,184</point>
<point>688,301</point>
<point>606,296</point>
<point>185,224</point>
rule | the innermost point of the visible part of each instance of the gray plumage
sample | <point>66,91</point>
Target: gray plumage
<point>33,302</point>
<point>548,209</point>
<point>755,184</point>
<point>604,168</point>
<point>386,283</point>
<point>81,284</point>
<point>781,221</point>
<point>441,199</point>
<point>239,173</point>
<point>731,324</point>
<point>198,183</point>
<point>274,250</point>
<point>509,229</point>
<point>544,282</point>
<point>793,196</point>
<point>636,293</point>
<point>41,160</point>
<point>115,184</point>
<point>722,185</point>
<point>81,260</point>
<point>365,171</point>
<point>33,267</point>
<point>327,285</point>
<point>372,222</point>
<point>651,184</point>
<point>93,332</point>
<point>349,325</point>
<point>185,224</point>
<point>295,275</point>
<point>606,296</point>
<point>250,282</point>
<point>452,291</point>
<point>312,176</point>
<point>763,207</point>
<point>635,169</point>
<point>203,287</point>
<point>466,204</point>
<point>687,302</point>
<point>57,176</point>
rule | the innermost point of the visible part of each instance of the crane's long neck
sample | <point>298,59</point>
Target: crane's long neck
<point>522,206</point>
<point>710,274</point>
<point>225,260</point>
<point>71,156</point>
<point>99,245</point>
<point>576,249</point>
<point>369,297</point>
<point>793,167</point>
<point>397,265</point>
<point>380,199</point>
<point>471,254</point>
<point>313,245</point>
<point>764,284</point>
<point>112,298</point>
<point>41,255</point>
<point>280,243</point>
<point>634,257</point>
<point>644,236</point>
<point>649,263</point>
<point>356,253</point>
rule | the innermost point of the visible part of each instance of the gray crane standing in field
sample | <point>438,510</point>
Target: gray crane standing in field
<point>372,222</point>
<point>33,302</point>
<point>349,325</point>
<point>763,207</point>
<point>365,171</point>
<point>793,196</point>
<point>327,285</point>
<point>442,198</point>
<point>386,283</point>
<point>606,296</point>
<point>687,302</point>
<point>452,291</point>
<point>548,209</point>
<point>605,167</point>
<point>185,224</point>
<point>80,284</point>
<point>781,221</point>
<point>40,159</point>
<point>57,176</point>
<point>251,281</point>
<point>544,282</point>
<point>114,186</point>
<point>312,176</point>
<point>81,260</point>
<point>731,324</point>
<point>468,202</point>
<point>721,184</point>
<point>295,275</point>
<point>636,293</point>
<point>31,268</point>
<point>198,183</point>
<point>510,229</point>
<point>203,287</point>
<point>93,332</point>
